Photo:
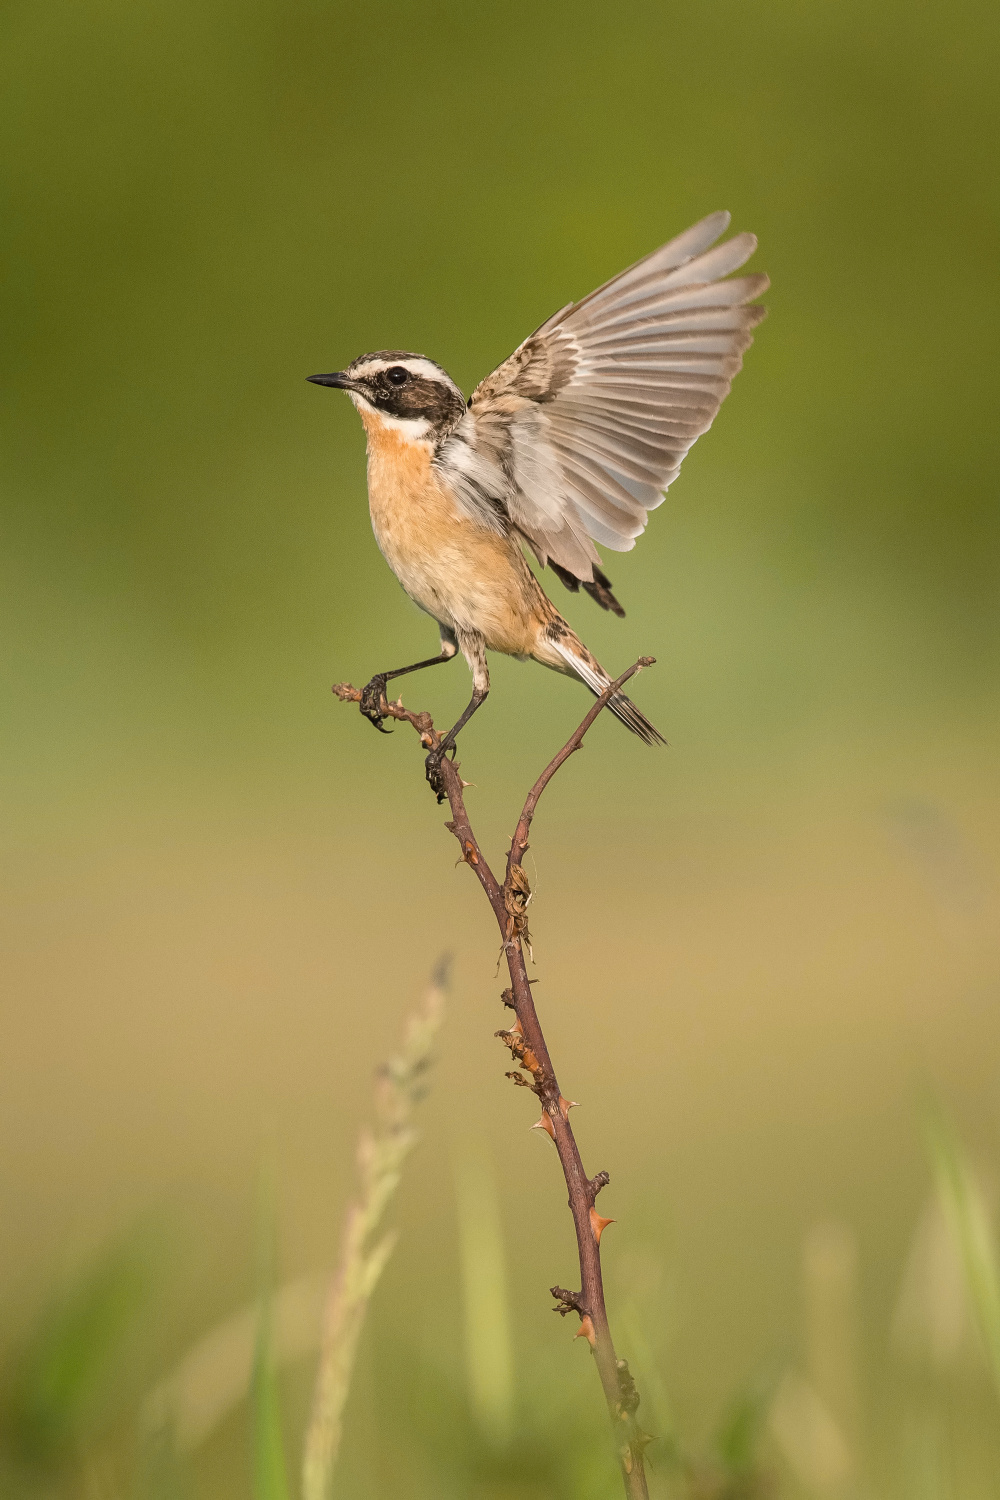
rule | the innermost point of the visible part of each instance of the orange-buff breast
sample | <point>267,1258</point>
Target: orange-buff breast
<point>467,576</point>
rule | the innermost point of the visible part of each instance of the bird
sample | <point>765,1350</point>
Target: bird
<point>571,441</point>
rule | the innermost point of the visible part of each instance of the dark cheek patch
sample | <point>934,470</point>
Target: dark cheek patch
<point>418,398</point>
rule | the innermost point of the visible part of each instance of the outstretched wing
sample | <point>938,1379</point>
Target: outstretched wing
<point>589,419</point>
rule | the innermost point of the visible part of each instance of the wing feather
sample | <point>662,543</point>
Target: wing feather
<point>578,434</point>
<point>606,494</point>
<point>682,248</point>
<point>642,458</point>
<point>635,414</point>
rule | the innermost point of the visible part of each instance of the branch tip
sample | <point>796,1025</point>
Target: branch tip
<point>596,1183</point>
<point>567,1301</point>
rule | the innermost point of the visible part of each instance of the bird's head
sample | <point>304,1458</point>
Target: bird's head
<point>408,392</point>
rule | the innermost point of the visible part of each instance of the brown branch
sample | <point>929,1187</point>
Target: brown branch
<point>519,842</point>
<point>527,1043</point>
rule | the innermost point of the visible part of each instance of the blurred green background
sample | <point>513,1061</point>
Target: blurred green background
<point>222,891</point>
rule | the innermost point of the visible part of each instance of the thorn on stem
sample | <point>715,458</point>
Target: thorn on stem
<point>565,1105</point>
<point>545,1124</point>
<point>586,1330</point>
<point>598,1225</point>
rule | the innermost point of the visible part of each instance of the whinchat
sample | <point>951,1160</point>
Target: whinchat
<point>571,441</point>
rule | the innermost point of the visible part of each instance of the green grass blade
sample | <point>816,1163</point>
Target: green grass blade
<point>968,1218</point>
<point>489,1354</point>
<point>738,1438</point>
<point>65,1374</point>
<point>270,1470</point>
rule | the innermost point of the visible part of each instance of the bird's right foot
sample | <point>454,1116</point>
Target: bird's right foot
<point>432,768</point>
<point>373,702</point>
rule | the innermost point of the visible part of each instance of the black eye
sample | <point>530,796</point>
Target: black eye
<point>397,375</point>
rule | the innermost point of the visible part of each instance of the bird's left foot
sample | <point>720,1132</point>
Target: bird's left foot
<point>432,768</point>
<point>372,701</point>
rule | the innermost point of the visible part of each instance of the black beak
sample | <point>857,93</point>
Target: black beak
<point>338,379</point>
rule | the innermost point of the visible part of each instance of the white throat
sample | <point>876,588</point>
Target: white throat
<point>410,429</point>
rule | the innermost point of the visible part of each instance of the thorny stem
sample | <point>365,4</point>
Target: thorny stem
<point>527,1042</point>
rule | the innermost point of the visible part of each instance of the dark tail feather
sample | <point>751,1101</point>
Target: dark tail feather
<point>600,592</point>
<point>599,588</point>
<point>633,718</point>
<point>589,670</point>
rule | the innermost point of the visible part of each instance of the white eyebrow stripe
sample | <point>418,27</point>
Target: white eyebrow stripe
<point>423,367</point>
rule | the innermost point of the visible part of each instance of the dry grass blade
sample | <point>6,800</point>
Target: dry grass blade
<point>381,1155</point>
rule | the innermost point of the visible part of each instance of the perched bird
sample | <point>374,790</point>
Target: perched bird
<point>571,441</point>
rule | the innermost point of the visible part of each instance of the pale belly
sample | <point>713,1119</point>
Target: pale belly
<point>470,579</point>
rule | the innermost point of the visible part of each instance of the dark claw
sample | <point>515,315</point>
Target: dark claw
<point>370,704</point>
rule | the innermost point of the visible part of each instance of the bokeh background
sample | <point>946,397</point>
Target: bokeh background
<point>756,951</point>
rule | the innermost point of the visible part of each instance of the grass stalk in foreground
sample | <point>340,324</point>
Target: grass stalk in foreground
<point>968,1218</point>
<point>489,1354</point>
<point>270,1472</point>
<point>381,1154</point>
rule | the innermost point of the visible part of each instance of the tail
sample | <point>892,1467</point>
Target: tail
<point>579,662</point>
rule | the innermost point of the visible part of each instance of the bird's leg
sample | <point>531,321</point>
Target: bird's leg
<point>373,693</point>
<point>433,761</point>
<point>474,650</point>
